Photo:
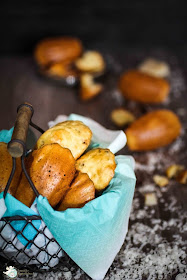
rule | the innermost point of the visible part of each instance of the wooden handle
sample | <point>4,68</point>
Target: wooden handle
<point>20,130</point>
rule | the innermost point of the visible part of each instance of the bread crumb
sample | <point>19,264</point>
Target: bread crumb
<point>155,68</point>
<point>161,181</point>
<point>91,61</point>
<point>173,170</point>
<point>88,87</point>
<point>150,199</point>
<point>182,177</point>
<point>121,117</point>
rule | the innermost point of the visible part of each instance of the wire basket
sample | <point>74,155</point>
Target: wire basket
<point>42,252</point>
<point>21,255</point>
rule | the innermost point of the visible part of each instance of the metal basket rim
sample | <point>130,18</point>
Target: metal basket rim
<point>20,218</point>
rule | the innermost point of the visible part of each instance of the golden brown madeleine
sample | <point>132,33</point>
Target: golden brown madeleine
<point>153,130</point>
<point>142,87</point>
<point>73,135</point>
<point>59,49</point>
<point>24,191</point>
<point>100,165</point>
<point>52,170</point>
<point>81,191</point>
<point>6,168</point>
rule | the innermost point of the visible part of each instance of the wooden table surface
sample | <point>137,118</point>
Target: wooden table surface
<point>20,82</point>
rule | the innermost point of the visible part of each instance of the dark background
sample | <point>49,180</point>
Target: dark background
<point>110,23</point>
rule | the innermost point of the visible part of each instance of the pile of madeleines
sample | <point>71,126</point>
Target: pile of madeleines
<point>60,168</point>
<point>64,59</point>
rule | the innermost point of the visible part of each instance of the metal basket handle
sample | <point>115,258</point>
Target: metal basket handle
<point>24,115</point>
<point>17,146</point>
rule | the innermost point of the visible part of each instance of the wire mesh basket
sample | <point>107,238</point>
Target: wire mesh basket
<point>42,252</point>
<point>21,255</point>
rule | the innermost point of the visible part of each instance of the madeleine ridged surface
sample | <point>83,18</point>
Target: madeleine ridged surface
<point>24,191</point>
<point>73,135</point>
<point>153,130</point>
<point>51,170</point>
<point>6,168</point>
<point>81,191</point>
<point>143,88</point>
<point>100,166</point>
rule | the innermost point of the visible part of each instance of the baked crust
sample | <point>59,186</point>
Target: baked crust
<point>143,88</point>
<point>81,191</point>
<point>60,49</point>
<point>24,191</point>
<point>6,168</point>
<point>100,165</point>
<point>154,67</point>
<point>73,135</point>
<point>52,168</point>
<point>153,130</point>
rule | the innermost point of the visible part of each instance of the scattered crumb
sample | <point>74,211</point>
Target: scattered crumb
<point>91,61</point>
<point>161,181</point>
<point>147,188</point>
<point>150,199</point>
<point>182,177</point>
<point>88,87</point>
<point>155,68</point>
<point>173,170</point>
<point>121,117</point>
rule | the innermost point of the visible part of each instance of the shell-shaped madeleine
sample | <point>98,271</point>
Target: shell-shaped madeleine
<point>100,165</point>
<point>80,192</point>
<point>73,135</point>
<point>143,88</point>
<point>153,130</point>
